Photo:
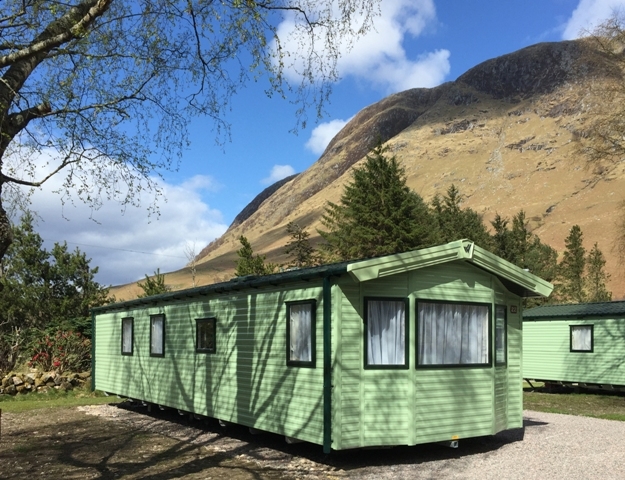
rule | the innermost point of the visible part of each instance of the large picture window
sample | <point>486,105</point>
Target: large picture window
<point>501,334</point>
<point>127,335</point>
<point>582,338</point>
<point>385,333</point>
<point>453,334</point>
<point>157,335</point>
<point>300,333</point>
<point>205,335</point>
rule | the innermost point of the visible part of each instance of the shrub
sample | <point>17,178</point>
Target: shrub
<point>65,351</point>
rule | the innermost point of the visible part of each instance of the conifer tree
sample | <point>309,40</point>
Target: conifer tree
<point>154,286</point>
<point>456,223</point>
<point>572,266</point>
<point>250,264</point>
<point>596,277</point>
<point>501,241</point>
<point>46,289</point>
<point>521,247</point>
<point>299,249</point>
<point>377,214</point>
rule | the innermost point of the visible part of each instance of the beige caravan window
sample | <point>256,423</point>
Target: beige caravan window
<point>127,335</point>
<point>385,333</point>
<point>453,334</point>
<point>157,335</point>
<point>300,333</point>
<point>582,338</point>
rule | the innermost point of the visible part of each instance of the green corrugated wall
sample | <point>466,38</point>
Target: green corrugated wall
<point>246,381</point>
<point>547,355</point>
<point>407,407</point>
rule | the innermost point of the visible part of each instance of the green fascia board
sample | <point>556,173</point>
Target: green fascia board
<point>514,278</point>
<point>575,311</point>
<point>511,276</point>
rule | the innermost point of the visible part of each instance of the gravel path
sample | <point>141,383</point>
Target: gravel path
<point>552,446</point>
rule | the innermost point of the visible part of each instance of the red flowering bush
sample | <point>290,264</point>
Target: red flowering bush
<point>63,352</point>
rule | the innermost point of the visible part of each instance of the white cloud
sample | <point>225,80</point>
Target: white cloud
<point>278,172</point>
<point>588,15</point>
<point>380,57</point>
<point>127,245</point>
<point>323,133</point>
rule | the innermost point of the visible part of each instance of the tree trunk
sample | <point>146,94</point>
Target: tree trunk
<point>6,233</point>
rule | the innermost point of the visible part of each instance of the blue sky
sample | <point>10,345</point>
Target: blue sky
<point>417,43</point>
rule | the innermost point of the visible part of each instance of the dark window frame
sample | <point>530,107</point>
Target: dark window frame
<point>132,336</point>
<point>365,318</point>
<point>213,327</point>
<point>152,319</point>
<point>487,364</point>
<point>505,336</point>
<point>313,335</point>
<point>592,338</point>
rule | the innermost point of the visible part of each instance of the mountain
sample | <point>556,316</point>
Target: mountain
<point>505,133</point>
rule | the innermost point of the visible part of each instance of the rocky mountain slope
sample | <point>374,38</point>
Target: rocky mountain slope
<point>504,133</point>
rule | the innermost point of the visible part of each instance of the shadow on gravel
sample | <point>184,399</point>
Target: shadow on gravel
<point>528,422</point>
<point>264,445</point>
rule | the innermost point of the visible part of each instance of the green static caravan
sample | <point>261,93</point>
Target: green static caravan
<point>417,347</point>
<point>581,344</point>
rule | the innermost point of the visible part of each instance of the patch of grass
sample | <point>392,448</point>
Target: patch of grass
<point>599,405</point>
<point>53,399</point>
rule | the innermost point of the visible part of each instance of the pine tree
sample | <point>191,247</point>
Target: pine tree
<point>596,277</point>
<point>501,240</point>
<point>154,286</point>
<point>299,249</point>
<point>250,264</point>
<point>572,266</point>
<point>456,223</point>
<point>520,246</point>
<point>377,214</point>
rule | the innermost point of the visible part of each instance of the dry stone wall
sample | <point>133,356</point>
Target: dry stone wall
<point>36,381</point>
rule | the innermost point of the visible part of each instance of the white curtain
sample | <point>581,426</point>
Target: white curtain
<point>127,335</point>
<point>386,327</point>
<point>452,334</point>
<point>500,334</point>
<point>301,332</point>
<point>581,338</point>
<point>157,336</point>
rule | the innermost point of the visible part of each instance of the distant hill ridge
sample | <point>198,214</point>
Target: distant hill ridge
<point>503,132</point>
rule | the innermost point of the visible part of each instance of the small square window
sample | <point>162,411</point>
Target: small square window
<point>582,338</point>
<point>501,327</point>
<point>206,335</point>
<point>385,333</point>
<point>157,335</point>
<point>300,333</point>
<point>127,335</point>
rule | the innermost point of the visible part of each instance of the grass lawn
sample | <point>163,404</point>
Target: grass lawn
<point>606,405</point>
<point>53,399</point>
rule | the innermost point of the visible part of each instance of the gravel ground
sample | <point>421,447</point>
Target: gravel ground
<point>550,446</point>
